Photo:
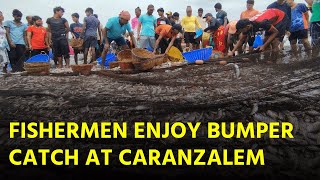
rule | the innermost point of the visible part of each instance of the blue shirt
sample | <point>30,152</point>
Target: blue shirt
<point>299,20</point>
<point>76,29</point>
<point>16,32</point>
<point>115,29</point>
<point>148,23</point>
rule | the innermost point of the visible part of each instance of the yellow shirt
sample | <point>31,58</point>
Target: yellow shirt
<point>190,24</point>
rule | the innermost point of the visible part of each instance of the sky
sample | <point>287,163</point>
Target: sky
<point>110,8</point>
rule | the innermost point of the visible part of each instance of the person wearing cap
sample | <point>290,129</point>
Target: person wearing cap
<point>17,39</point>
<point>250,12</point>
<point>114,30</point>
<point>170,17</point>
<point>190,24</point>
<point>169,14</point>
<point>166,37</point>
<point>221,15</point>
<point>89,31</point>
<point>162,19</point>
<point>146,29</point>
<point>217,32</point>
<point>231,37</point>
<point>271,21</point>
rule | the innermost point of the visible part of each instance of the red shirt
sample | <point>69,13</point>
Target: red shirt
<point>38,37</point>
<point>273,15</point>
<point>219,39</point>
<point>165,31</point>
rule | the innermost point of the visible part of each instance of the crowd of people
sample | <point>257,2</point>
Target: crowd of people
<point>230,37</point>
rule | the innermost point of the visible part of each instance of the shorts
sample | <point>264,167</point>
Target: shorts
<point>147,42</point>
<point>301,34</point>
<point>61,47</point>
<point>189,38</point>
<point>90,42</point>
<point>281,27</point>
<point>315,33</point>
<point>119,41</point>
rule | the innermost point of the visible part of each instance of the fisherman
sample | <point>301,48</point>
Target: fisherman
<point>247,14</point>
<point>37,37</point>
<point>89,31</point>
<point>135,22</point>
<point>190,24</point>
<point>231,37</point>
<point>166,37</point>
<point>315,23</point>
<point>76,29</point>
<point>221,15</point>
<point>114,30</point>
<point>162,19</point>
<point>217,31</point>
<point>59,29</point>
<point>271,21</point>
<point>283,6</point>
<point>16,36</point>
<point>299,25</point>
<point>146,29</point>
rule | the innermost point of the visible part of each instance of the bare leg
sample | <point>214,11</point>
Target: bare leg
<point>76,57</point>
<point>306,44</point>
<point>294,46</point>
<point>55,59</point>
<point>93,56</point>
<point>275,53</point>
<point>5,68</point>
<point>250,49</point>
<point>85,55</point>
<point>60,62</point>
<point>67,60</point>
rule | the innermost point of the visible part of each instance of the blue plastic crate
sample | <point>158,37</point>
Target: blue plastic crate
<point>39,58</point>
<point>199,54</point>
<point>109,58</point>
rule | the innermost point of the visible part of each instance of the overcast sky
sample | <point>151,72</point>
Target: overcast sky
<point>109,8</point>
